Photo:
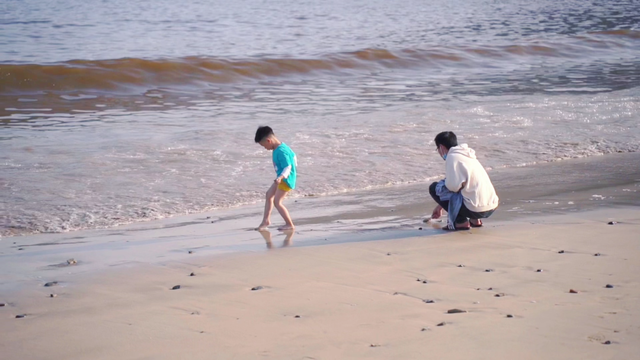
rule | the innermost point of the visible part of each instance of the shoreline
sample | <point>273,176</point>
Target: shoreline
<point>362,277</point>
<point>552,188</point>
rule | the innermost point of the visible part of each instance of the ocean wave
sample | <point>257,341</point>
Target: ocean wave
<point>134,74</point>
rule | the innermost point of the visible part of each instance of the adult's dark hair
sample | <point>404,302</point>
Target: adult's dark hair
<point>263,132</point>
<point>446,138</point>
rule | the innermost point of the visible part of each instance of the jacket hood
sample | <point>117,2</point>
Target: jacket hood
<point>464,150</point>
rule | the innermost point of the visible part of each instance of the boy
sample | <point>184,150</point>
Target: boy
<point>466,177</point>
<point>285,163</point>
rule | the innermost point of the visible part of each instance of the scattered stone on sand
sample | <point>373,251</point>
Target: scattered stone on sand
<point>388,254</point>
<point>571,291</point>
<point>442,324</point>
<point>490,289</point>
<point>456,311</point>
<point>419,228</point>
<point>425,329</point>
<point>192,274</point>
<point>374,345</point>
<point>71,262</point>
<point>539,270</point>
<point>428,301</point>
<point>20,248</point>
<point>418,279</point>
<point>509,315</point>
<point>612,222</point>
<point>488,270</point>
<point>597,254</point>
<point>609,286</point>
<point>460,265</point>
<point>256,288</point>
<point>53,295</point>
<point>561,252</point>
<point>177,287</point>
<point>3,304</point>
<point>478,289</point>
<point>608,342</point>
<point>297,316</point>
<point>21,316</point>
<point>424,281</point>
<point>208,217</point>
<point>51,283</point>
<point>499,295</point>
<point>190,251</point>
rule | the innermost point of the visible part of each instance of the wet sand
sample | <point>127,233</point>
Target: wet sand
<point>362,277</point>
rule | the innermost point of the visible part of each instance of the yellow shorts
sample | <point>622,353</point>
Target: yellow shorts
<point>283,186</point>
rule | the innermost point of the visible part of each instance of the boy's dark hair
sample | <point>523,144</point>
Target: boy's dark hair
<point>263,132</point>
<point>446,138</point>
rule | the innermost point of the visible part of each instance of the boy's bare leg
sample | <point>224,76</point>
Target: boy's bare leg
<point>268,206</point>
<point>280,195</point>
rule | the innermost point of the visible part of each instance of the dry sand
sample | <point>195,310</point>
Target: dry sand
<point>358,300</point>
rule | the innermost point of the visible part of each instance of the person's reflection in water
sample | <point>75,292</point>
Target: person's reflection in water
<point>266,234</point>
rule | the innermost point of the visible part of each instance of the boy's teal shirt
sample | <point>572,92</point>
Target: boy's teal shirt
<point>283,157</point>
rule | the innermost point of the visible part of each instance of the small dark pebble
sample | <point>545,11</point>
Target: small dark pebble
<point>609,286</point>
<point>374,345</point>
<point>477,288</point>
<point>388,254</point>
<point>256,288</point>
<point>177,287</point>
<point>539,270</point>
<point>571,291</point>
<point>192,274</point>
<point>212,222</point>
<point>419,228</point>
<point>460,265</point>
<point>607,342</point>
<point>456,311</point>
<point>297,316</point>
<point>428,301</point>
<point>3,304</point>
<point>424,281</point>
<point>51,283</point>
<point>561,252</point>
<point>418,280</point>
<point>597,254</point>
<point>488,270</point>
<point>509,315</point>
<point>425,329</point>
<point>53,295</point>
<point>20,248</point>
<point>490,289</point>
<point>499,295</point>
<point>441,324</point>
<point>208,217</point>
<point>21,316</point>
<point>190,252</point>
<point>612,222</point>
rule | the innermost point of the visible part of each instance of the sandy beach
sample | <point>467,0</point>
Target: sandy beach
<point>362,278</point>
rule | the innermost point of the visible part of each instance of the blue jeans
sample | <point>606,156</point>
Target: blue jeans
<point>465,214</point>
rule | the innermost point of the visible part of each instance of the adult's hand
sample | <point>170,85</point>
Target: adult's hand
<point>437,212</point>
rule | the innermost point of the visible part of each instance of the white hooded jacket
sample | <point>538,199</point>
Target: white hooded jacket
<point>462,167</point>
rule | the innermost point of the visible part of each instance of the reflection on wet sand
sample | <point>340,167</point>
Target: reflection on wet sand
<point>266,234</point>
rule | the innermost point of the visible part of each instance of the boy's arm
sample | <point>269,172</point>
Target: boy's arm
<point>284,161</point>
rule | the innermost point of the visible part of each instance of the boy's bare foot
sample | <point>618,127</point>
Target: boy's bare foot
<point>263,226</point>
<point>286,227</point>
